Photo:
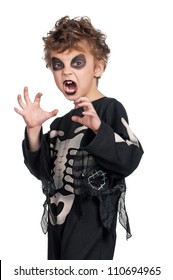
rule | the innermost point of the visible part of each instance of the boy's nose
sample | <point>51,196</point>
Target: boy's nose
<point>67,71</point>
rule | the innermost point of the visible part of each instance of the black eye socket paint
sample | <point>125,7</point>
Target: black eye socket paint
<point>78,61</point>
<point>57,64</point>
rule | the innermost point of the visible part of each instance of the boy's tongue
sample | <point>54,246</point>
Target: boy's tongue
<point>70,87</point>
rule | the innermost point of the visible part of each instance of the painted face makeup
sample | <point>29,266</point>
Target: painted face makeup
<point>74,73</point>
<point>77,62</point>
<point>57,64</point>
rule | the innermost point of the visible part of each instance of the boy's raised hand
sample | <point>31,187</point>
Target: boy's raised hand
<point>90,118</point>
<point>31,111</point>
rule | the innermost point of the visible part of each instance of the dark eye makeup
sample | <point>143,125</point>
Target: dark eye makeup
<point>77,62</point>
<point>57,64</point>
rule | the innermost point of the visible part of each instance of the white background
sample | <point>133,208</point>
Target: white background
<point>139,74</point>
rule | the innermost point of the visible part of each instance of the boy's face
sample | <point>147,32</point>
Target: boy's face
<point>75,73</point>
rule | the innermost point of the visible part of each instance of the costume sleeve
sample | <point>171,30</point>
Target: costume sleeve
<point>37,162</point>
<point>115,147</point>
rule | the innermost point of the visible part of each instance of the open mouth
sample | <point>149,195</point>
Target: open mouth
<point>70,87</point>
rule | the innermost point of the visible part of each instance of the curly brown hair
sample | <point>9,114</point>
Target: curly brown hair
<point>70,33</point>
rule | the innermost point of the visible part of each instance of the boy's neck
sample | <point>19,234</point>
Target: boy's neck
<point>95,96</point>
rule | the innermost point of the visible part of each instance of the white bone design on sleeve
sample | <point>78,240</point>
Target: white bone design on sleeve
<point>133,140</point>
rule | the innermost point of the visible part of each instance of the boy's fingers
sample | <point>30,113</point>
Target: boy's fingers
<point>54,112</point>
<point>26,95</point>
<point>81,99</point>
<point>38,97</point>
<point>20,101</point>
<point>86,105</point>
<point>76,118</point>
<point>18,111</point>
<point>89,113</point>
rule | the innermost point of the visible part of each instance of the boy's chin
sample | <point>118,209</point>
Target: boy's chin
<point>71,96</point>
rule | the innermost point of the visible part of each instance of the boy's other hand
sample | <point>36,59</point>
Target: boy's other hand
<point>90,118</point>
<point>31,112</point>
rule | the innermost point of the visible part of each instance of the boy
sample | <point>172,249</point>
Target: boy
<point>84,158</point>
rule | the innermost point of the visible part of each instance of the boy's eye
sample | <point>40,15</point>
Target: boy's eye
<point>57,64</point>
<point>78,61</point>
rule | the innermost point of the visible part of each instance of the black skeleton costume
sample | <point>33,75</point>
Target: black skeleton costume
<point>77,166</point>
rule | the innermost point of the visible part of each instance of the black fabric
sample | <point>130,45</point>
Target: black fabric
<point>81,238</point>
<point>75,164</point>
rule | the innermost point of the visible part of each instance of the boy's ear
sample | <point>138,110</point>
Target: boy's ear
<point>99,68</point>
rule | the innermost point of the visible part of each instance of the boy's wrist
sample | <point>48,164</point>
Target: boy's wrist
<point>33,137</point>
<point>97,130</point>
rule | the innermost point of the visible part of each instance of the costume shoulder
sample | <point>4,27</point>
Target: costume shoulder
<point>111,111</point>
<point>109,104</point>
